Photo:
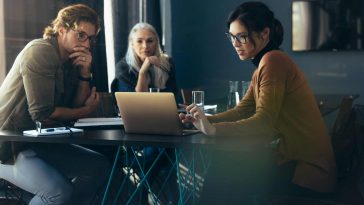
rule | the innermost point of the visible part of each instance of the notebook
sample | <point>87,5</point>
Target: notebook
<point>150,113</point>
<point>99,122</point>
<point>55,131</point>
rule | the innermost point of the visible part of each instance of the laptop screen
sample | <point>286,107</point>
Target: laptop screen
<point>149,113</point>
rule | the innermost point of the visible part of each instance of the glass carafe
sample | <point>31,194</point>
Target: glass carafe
<point>244,87</point>
<point>233,96</point>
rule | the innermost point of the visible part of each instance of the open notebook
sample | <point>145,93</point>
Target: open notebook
<point>150,113</point>
<point>55,131</point>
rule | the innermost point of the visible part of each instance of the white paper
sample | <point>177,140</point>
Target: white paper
<point>52,131</point>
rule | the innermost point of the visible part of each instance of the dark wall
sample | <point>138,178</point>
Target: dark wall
<point>204,58</point>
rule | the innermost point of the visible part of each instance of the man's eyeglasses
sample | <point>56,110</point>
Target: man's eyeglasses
<point>82,37</point>
<point>242,38</point>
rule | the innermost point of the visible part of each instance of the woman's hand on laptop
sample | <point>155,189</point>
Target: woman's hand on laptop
<point>198,118</point>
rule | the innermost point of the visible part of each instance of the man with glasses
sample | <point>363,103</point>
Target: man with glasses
<point>49,82</point>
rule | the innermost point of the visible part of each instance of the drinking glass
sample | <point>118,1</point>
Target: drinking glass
<point>233,96</point>
<point>198,98</point>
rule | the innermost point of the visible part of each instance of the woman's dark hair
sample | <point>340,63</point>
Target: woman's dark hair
<point>256,16</point>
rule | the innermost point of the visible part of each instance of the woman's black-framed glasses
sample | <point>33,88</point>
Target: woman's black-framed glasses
<point>242,38</point>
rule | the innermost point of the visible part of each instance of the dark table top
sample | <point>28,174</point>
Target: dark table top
<point>112,137</point>
<point>119,137</point>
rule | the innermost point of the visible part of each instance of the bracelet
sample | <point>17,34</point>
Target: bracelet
<point>84,79</point>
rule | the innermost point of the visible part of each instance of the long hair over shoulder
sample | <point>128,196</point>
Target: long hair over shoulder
<point>160,74</point>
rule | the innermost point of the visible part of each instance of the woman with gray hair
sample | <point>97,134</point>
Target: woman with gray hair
<point>145,65</point>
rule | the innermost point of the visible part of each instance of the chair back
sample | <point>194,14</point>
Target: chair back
<point>343,137</point>
<point>186,96</point>
<point>343,115</point>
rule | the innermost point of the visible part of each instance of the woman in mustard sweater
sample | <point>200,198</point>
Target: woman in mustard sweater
<point>279,106</point>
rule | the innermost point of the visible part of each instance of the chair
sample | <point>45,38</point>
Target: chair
<point>343,115</point>
<point>343,136</point>
<point>186,96</point>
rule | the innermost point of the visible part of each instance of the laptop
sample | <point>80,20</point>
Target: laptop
<point>150,113</point>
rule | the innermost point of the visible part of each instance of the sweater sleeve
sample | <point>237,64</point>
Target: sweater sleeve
<point>38,69</point>
<point>269,90</point>
<point>244,110</point>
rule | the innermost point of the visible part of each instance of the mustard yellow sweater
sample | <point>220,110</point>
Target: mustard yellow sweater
<point>280,103</point>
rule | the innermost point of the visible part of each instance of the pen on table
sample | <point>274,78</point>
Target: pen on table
<point>53,129</point>
<point>50,130</point>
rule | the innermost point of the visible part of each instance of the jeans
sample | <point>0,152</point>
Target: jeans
<point>58,173</point>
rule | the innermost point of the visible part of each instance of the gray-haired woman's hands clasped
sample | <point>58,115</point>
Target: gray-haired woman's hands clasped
<point>151,60</point>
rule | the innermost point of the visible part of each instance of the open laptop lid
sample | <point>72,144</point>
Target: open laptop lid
<point>149,113</point>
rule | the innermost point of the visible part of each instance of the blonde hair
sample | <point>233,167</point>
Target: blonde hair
<point>70,17</point>
<point>131,58</point>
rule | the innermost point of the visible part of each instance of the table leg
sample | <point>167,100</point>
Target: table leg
<point>111,175</point>
<point>191,177</point>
